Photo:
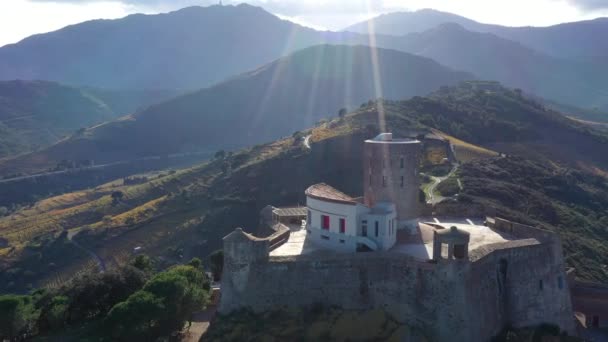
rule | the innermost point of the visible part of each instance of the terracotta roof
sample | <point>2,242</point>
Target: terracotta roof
<point>325,192</point>
<point>293,211</point>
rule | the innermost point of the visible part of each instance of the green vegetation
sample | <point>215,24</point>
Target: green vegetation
<point>449,187</point>
<point>128,303</point>
<point>571,202</point>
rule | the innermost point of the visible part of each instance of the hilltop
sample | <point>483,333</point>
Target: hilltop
<point>274,100</point>
<point>186,213</point>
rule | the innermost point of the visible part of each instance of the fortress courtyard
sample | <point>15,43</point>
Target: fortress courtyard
<point>418,244</point>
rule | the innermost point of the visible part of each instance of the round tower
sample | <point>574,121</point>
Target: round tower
<point>390,174</point>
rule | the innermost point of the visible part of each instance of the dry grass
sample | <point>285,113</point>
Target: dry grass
<point>464,151</point>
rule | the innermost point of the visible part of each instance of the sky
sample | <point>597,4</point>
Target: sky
<point>22,18</point>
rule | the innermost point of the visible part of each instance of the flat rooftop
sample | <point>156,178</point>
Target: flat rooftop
<point>418,245</point>
<point>387,138</point>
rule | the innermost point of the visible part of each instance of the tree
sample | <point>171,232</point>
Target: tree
<point>216,261</point>
<point>57,313</point>
<point>117,196</point>
<point>162,307</point>
<point>135,318</point>
<point>221,154</point>
<point>17,316</point>
<point>342,113</point>
<point>143,263</point>
<point>196,263</point>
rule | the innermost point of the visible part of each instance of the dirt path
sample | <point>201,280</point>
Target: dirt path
<point>307,141</point>
<point>200,324</point>
<point>436,181</point>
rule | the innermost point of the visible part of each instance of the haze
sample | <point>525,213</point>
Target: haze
<point>22,18</point>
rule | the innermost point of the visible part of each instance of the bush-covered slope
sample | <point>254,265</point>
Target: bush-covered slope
<point>289,94</point>
<point>36,114</point>
<point>186,213</point>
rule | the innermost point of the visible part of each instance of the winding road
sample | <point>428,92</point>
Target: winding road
<point>436,181</point>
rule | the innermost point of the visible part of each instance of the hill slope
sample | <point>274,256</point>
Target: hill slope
<point>36,114</point>
<point>186,213</point>
<point>287,95</point>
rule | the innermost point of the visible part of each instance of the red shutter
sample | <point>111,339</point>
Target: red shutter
<point>325,222</point>
<point>342,226</point>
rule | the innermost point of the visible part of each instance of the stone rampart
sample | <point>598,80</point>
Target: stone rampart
<point>519,282</point>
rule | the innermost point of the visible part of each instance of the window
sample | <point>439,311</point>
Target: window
<point>384,181</point>
<point>342,241</point>
<point>376,228</point>
<point>364,228</point>
<point>540,284</point>
<point>324,237</point>
<point>560,282</point>
<point>325,222</point>
<point>402,181</point>
<point>401,163</point>
<point>342,226</point>
<point>459,251</point>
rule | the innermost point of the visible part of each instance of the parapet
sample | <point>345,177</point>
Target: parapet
<point>522,231</point>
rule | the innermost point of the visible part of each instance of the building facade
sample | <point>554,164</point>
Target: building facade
<point>339,222</point>
<point>390,174</point>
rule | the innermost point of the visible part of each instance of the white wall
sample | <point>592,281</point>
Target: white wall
<point>353,215</point>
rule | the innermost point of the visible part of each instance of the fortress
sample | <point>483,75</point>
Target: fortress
<point>453,279</point>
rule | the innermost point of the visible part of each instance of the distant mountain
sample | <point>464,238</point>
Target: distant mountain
<point>275,100</point>
<point>402,23</point>
<point>568,40</point>
<point>186,49</point>
<point>493,58</point>
<point>35,114</point>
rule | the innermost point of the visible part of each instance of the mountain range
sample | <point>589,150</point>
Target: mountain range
<point>198,47</point>
<point>259,84</point>
<point>567,40</point>
<point>275,100</point>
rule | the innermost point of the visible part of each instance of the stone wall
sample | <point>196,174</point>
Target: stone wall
<point>430,297</point>
<point>505,287</point>
<point>448,300</point>
<point>382,174</point>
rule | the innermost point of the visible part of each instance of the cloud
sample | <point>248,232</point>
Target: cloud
<point>589,5</point>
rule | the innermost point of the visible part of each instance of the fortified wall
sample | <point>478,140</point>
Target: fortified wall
<point>520,282</point>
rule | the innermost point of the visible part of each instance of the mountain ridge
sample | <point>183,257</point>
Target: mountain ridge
<point>275,100</point>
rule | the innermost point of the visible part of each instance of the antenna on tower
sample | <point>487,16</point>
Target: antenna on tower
<point>221,3</point>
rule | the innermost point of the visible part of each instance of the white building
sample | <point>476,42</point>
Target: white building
<point>340,222</point>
